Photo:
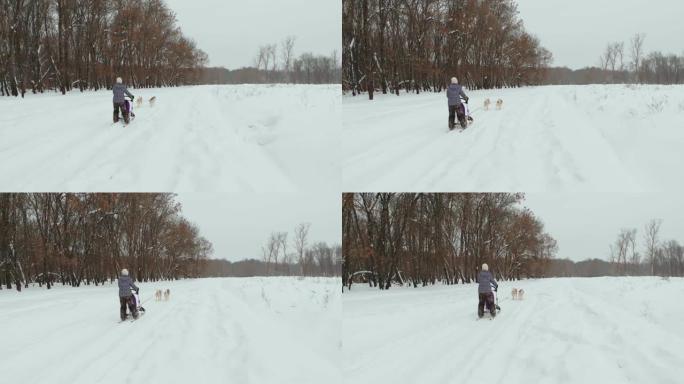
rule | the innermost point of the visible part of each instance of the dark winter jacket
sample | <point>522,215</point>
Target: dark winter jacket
<point>454,94</point>
<point>125,285</point>
<point>486,280</point>
<point>119,91</point>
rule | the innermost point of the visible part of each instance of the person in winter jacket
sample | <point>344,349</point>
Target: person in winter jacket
<point>120,91</point>
<point>125,295</point>
<point>485,282</point>
<point>454,95</point>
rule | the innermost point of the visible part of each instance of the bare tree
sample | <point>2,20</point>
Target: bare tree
<point>282,245</point>
<point>286,51</point>
<point>270,251</point>
<point>271,54</point>
<point>300,238</point>
<point>620,251</point>
<point>260,57</point>
<point>637,47</point>
<point>652,243</point>
<point>634,258</point>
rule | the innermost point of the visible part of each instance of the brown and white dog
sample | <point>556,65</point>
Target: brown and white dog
<point>158,295</point>
<point>138,103</point>
<point>152,100</point>
<point>521,292</point>
<point>487,103</point>
<point>499,104</point>
<point>167,293</point>
<point>514,293</point>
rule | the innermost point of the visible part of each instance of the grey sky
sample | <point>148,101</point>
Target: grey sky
<point>577,31</point>
<point>586,224</point>
<point>238,224</point>
<point>231,31</point>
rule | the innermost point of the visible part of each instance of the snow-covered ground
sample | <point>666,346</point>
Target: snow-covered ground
<point>251,330</point>
<point>574,330</point>
<point>259,138</point>
<point>552,138</point>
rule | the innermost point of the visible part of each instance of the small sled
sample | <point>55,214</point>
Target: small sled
<point>127,112</point>
<point>129,109</point>
<point>134,301</point>
<point>463,116</point>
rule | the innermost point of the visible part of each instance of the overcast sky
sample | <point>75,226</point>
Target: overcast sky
<point>231,31</point>
<point>577,31</point>
<point>586,224</point>
<point>238,224</point>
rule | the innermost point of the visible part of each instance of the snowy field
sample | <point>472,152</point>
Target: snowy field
<point>250,330</point>
<point>204,138</point>
<point>574,330</point>
<point>552,138</point>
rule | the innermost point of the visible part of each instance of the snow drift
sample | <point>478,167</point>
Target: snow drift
<point>552,138</point>
<point>572,330</point>
<point>203,138</point>
<point>242,330</point>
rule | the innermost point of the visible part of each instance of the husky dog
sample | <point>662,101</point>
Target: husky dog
<point>499,104</point>
<point>167,293</point>
<point>138,103</point>
<point>152,100</point>
<point>514,293</point>
<point>521,292</point>
<point>158,295</point>
<point>487,103</point>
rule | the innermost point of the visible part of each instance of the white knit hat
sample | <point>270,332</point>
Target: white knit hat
<point>124,272</point>
<point>454,80</point>
<point>119,80</point>
<point>485,267</point>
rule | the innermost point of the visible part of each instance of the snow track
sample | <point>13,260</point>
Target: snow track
<point>565,138</point>
<point>204,138</point>
<point>565,330</point>
<point>211,330</point>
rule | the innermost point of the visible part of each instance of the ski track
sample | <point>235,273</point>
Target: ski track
<point>564,138</point>
<point>216,138</point>
<point>564,331</point>
<point>211,330</point>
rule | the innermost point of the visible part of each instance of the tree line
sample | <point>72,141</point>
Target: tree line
<point>306,69</point>
<point>85,44</point>
<point>641,68</point>
<point>75,239</point>
<point>277,63</point>
<point>321,260</point>
<point>421,239</point>
<point>298,257</point>
<point>620,63</point>
<point>654,257</point>
<point>630,255</point>
<point>418,45</point>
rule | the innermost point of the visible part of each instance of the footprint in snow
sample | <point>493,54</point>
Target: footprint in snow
<point>263,132</point>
